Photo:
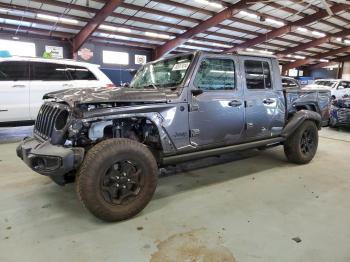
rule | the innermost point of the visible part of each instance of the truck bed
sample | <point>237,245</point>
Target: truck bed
<point>318,99</point>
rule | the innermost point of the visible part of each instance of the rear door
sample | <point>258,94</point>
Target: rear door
<point>265,103</point>
<point>14,91</point>
<point>45,78</point>
<point>216,116</point>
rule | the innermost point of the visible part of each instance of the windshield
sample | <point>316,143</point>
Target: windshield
<point>325,83</point>
<point>165,73</point>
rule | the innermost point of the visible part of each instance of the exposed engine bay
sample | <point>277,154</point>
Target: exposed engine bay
<point>139,129</point>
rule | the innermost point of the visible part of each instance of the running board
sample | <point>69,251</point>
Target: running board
<point>219,151</point>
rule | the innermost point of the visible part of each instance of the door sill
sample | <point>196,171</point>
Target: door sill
<point>219,151</point>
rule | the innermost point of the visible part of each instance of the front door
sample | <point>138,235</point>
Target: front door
<point>14,88</point>
<point>265,110</point>
<point>216,115</point>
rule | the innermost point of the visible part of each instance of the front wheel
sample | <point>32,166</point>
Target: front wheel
<point>117,179</point>
<point>301,146</point>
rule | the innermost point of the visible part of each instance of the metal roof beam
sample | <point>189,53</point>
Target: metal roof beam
<point>203,26</point>
<point>313,43</point>
<point>289,27</point>
<point>94,23</point>
<point>170,25</point>
<point>302,62</point>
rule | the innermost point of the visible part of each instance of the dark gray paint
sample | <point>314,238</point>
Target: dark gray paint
<point>176,116</point>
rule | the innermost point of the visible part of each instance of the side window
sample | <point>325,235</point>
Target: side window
<point>345,84</point>
<point>13,71</point>
<point>287,83</point>
<point>80,73</point>
<point>258,75</point>
<point>216,74</point>
<point>49,72</point>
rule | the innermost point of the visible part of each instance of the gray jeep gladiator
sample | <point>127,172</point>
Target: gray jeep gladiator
<point>112,142</point>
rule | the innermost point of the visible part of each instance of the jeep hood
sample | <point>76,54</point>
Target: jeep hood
<point>106,95</point>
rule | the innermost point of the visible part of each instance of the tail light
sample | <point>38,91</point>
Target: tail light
<point>110,86</point>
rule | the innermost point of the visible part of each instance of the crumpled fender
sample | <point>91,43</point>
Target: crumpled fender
<point>298,118</point>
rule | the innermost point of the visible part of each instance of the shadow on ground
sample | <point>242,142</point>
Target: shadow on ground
<point>14,134</point>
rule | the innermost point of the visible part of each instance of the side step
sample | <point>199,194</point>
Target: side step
<point>219,151</point>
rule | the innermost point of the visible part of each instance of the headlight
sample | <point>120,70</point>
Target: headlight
<point>75,128</point>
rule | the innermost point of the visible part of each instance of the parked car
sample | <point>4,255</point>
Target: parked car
<point>24,81</point>
<point>290,83</point>
<point>177,109</point>
<point>340,112</point>
<point>338,87</point>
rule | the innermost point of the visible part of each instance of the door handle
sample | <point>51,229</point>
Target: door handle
<point>67,85</point>
<point>3,110</point>
<point>269,101</point>
<point>18,86</point>
<point>235,103</point>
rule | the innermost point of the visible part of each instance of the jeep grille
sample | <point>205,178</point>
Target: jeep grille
<point>51,116</point>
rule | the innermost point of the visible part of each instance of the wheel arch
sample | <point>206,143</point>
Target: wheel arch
<point>154,117</point>
<point>307,106</point>
<point>298,118</point>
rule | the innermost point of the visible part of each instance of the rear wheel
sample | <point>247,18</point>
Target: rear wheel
<point>301,146</point>
<point>117,179</point>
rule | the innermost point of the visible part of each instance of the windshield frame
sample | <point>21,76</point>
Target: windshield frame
<point>174,87</point>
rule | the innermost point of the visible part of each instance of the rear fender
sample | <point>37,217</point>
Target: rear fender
<point>298,118</point>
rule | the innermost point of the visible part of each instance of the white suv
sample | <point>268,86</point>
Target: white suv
<point>24,81</point>
<point>338,87</point>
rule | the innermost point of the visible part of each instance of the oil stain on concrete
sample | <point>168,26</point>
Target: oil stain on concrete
<point>192,246</point>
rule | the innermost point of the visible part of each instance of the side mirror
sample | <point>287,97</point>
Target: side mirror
<point>196,92</point>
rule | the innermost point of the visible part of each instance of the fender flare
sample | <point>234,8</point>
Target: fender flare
<point>154,117</point>
<point>298,118</point>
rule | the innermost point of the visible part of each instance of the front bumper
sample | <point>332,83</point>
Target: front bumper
<point>50,160</point>
<point>341,116</point>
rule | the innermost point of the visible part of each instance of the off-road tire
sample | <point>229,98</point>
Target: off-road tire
<point>93,170</point>
<point>293,148</point>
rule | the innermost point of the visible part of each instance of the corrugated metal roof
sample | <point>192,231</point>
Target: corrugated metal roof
<point>173,17</point>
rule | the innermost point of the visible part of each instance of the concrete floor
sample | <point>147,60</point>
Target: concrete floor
<point>241,207</point>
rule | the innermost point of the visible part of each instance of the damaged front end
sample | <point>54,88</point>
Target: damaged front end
<point>70,123</point>
<point>340,112</point>
<point>46,152</point>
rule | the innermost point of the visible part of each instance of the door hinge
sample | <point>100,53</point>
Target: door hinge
<point>248,125</point>
<point>245,103</point>
<point>194,132</point>
<point>193,107</point>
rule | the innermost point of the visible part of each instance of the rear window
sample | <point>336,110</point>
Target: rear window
<point>345,84</point>
<point>325,83</point>
<point>80,73</point>
<point>289,83</point>
<point>257,74</point>
<point>13,71</point>
<point>49,72</point>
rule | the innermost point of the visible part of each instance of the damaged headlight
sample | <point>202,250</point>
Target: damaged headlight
<point>75,128</point>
